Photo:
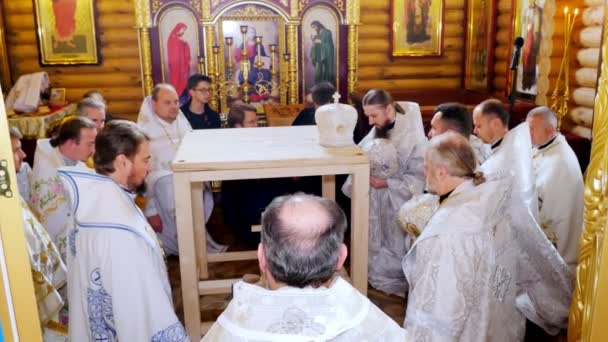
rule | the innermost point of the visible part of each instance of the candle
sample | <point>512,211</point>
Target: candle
<point>286,56</point>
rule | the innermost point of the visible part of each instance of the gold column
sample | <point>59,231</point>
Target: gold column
<point>292,48</point>
<point>142,21</point>
<point>211,66</point>
<point>353,20</point>
<point>353,56</point>
<point>589,309</point>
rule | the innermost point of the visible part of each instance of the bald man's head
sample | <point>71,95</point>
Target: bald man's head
<point>302,236</point>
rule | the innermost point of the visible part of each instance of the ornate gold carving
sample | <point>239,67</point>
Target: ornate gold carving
<point>352,12</point>
<point>302,4</point>
<point>584,318</point>
<point>339,4</point>
<point>214,3</point>
<point>353,56</point>
<point>206,9</point>
<point>252,11</point>
<point>156,5</point>
<point>197,5</point>
<point>292,48</point>
<point>212,68</point>
<point>142,20</point>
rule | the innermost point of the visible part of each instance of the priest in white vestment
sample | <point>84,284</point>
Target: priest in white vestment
<point>119,289</point>
<point>48,269</point>
<point>456,117</point>
<point>161,119</point>
<point>303,298</point>
<point>73,145</point>
<point>387,242</point>
<point>456,283</point>
<point>559,184</point>
<point>545,283</point>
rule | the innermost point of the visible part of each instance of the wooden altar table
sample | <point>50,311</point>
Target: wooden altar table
<point>253,153</point>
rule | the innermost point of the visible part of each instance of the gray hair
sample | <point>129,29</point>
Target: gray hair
<point>546,113</point>
<point>161,86</point>
<point>89,102</point>
<point>15,133</point>
<point>302,254</point>
<point>454,152</point>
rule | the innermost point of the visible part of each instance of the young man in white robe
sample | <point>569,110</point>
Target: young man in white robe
<point>119,289</point>
<point>161,119</point>
<point>73,145</point>
<point>303,299</point>
<point>387,242</point>
<point>559,184</point>
<point>456,117</point>
<point>48,270</point>
<point>455,292</point>
<point>545,283</point>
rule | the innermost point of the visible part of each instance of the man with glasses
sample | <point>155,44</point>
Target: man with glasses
<point>197,109</point>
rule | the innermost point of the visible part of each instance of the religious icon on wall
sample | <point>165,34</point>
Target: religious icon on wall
<point>66,32</point>
<point>528,25</point>
<point>416,27</point>
<point>178,34</point>
<point>479,65</point>
<point>255,54</point>
<point>320,55</point>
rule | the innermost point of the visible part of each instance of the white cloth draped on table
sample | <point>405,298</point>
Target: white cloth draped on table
<point>387,242</point>
<point>165,139</point>
<point>25,94</point>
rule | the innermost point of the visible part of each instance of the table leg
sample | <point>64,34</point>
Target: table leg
<point>329,187</point>
<point>360,228</point>
<point>200,231</point>
<point>187,255</point>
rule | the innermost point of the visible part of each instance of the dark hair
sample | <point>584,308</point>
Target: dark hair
<point>70,130</point>
<point>118,137</point>
<point>382,98</point>
<point>322,93</point>
<point>298,255</point>
<point>195,79</point>
<point>456,117</point>
<point>236,115</point>
<point>318,24</point>
<point>494,107</point>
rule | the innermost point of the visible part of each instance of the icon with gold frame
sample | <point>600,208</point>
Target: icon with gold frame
<point>417,28</point>
<point>66,32</point>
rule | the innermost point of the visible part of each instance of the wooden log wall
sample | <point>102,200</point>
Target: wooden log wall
<point>378,70</point>
<point>117,77</point>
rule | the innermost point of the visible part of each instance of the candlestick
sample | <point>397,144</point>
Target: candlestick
<point>229,43</point>
<point>273,50</point>
<point>202,68</point>
<point>258,42</point>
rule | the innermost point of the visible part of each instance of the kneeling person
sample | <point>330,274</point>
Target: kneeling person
<point>301,250</point>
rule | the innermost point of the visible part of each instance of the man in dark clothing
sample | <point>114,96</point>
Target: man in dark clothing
<point>321,94</point>
<point>197,109</point>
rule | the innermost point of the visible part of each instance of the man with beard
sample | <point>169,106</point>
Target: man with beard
<point>119,289</point>
<point>387,242</point>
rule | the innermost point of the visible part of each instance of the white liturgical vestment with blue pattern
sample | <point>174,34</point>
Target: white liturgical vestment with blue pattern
<point>118,285</point>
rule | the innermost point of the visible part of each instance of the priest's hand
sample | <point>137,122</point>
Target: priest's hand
<point>156,223</point>
<point>377,183</point>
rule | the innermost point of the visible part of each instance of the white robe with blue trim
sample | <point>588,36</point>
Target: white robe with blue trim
<point>118,285</point>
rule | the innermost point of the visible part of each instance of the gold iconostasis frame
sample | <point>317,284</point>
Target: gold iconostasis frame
<point>290,15</point>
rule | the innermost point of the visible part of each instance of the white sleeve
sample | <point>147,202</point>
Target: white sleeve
<point>409,180</point>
